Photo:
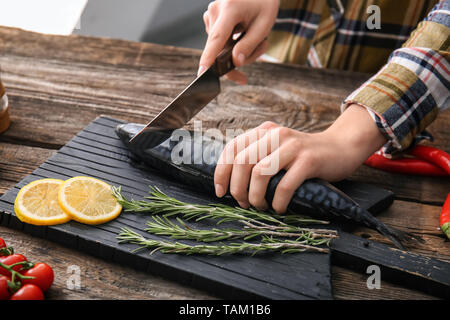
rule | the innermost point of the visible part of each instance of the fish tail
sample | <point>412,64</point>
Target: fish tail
<point>401,237</point>
<point>398,237</point>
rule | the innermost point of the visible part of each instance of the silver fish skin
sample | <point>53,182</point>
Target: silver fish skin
<point>314,197</point>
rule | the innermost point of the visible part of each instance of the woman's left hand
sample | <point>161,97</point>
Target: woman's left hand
<point>250,160</point>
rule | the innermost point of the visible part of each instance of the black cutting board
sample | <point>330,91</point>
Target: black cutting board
<point>96,151</point>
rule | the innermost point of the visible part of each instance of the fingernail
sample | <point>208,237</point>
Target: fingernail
<point>241,59</point>
<point>200,70</point>
<point>220,191</point>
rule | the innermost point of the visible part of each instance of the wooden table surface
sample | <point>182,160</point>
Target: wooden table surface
<point>57,85</point>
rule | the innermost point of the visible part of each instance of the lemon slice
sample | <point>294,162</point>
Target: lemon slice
<point>37,203</point>
<point>88,200</point>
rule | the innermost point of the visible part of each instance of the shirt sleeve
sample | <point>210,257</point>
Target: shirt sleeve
<point>407,94</point>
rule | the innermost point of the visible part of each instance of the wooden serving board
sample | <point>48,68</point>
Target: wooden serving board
<point>96,151</point>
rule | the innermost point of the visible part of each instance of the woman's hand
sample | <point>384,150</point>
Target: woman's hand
<point>255,17</point>
<point>250,160</point>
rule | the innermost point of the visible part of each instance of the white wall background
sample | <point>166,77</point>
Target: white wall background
<point>123,19</point>
<point>45,16</point>
<point>173,22</point>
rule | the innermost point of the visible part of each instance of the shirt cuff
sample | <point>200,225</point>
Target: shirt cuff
<point>401,103</point>
<point>393,144</point>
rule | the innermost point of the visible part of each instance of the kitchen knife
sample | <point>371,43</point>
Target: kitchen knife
<point>190,101</point>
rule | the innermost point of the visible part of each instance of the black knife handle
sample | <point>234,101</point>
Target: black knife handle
<point>224,61</point>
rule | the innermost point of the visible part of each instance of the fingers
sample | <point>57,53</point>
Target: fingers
<point>224,167</point>
<point>219,33</point>
<point>244,163</point>
<point>294,177</point>
<point>240,77</point>
<point>222,17</point>
<point>253,158</point>
<point>206,21</point>
<point>260,50</point>
<point>210,16</point>
<point>222,174</point>
<point>240,175</point>
<point>265,170</point>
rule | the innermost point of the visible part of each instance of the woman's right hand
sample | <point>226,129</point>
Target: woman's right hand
<point>255,17</point>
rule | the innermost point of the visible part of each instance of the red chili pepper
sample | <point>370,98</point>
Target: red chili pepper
<point>405,165</point>
<point>445,217</point>
<point>433,155</point>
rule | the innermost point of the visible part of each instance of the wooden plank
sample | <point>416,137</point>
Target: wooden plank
<point>298,97</point>
<point>161,62</point>
<point>405,268</point>
<point>352,285</point>
<point>429,190</point>
<point>106,280</point>
<point>17,161</point>
<point>419,219</point>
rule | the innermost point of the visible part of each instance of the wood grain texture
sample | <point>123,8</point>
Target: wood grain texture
<point>75,79</point>
<point>406,268</point>
<point>427,190</point>
<point>18,161</point>
<point>419,219</point>
<point>107,280</point>
<point>57,85</point>
<point>352,285</point>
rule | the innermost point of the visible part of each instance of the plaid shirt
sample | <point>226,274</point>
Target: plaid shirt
<point>406,95</point>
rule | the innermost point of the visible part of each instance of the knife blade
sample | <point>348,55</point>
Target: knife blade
<point>190,101</point>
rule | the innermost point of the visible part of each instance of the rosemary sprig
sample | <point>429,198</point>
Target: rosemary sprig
<point>254,224</point>
<point>266,244</point>
<point>164,226</point>
<point>163,204</point>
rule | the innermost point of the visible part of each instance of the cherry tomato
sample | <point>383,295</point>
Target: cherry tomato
<point>4,292</point>
<point>43,276</point>
<point>9,260</point>
<point>4,250</point>
<point>28,292</point>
